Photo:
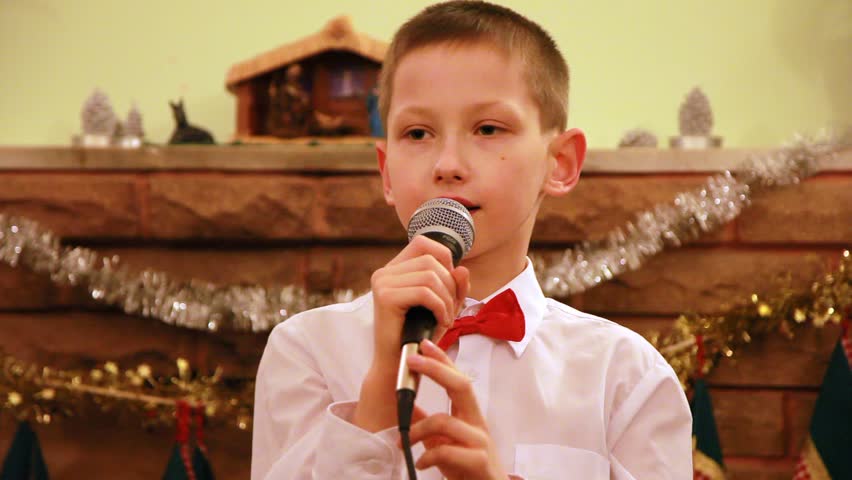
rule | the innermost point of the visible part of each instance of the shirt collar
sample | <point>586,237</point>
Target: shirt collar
<point>531,300</point>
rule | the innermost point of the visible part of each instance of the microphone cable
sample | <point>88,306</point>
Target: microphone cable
<point>404,409</point>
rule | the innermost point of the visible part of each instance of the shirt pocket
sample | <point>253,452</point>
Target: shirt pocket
<point>558,462</point>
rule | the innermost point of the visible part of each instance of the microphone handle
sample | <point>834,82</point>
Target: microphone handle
<point>419,324</point>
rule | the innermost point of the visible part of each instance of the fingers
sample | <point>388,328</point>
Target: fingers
<point>454,429</point>
<point>423,273</point>
<point>421,245</point>
<point>416,295</point>
<point>461,275</point>
<point>419,415</point>
<point>459,445</point>
<point>432,281</point>
<point>454,458</point>
<point>435,364</point>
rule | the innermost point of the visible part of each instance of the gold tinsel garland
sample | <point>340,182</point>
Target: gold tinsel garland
<point>828,300</point>
<point>43,394</point>
<point>31,392</point>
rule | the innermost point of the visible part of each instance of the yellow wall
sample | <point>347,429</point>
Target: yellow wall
<point>770,67</point>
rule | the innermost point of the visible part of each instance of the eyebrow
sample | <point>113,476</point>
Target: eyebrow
<point>415,110</point>
<point>496,104</point>
<point>419,110</point>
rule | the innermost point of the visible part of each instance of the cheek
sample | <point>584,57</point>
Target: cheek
<point>408,190</point>
<point>523,173</point>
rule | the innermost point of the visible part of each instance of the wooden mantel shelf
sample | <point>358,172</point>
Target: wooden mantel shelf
<point>341,158</point>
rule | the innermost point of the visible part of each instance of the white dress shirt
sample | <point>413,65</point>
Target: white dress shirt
<point>578,397</point>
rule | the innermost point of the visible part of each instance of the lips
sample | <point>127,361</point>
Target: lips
<point>471,207</point>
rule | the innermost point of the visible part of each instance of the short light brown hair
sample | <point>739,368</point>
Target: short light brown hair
<point>465,21</point>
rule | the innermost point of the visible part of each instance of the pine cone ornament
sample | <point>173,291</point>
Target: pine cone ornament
<point>696,117</point>
<point>133,124</point>
<point>638,137</point>
<point>97,115</point>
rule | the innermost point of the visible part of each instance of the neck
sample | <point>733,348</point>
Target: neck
<point>491,270</point>
<point>495,267</point>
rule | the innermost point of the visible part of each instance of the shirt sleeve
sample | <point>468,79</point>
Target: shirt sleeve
<point>650,434</point>
<point>299,432</point>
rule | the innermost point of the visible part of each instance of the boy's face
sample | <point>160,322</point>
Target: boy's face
<point>462,124</point>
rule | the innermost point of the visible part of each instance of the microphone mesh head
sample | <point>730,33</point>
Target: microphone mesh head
<point>443,212</point>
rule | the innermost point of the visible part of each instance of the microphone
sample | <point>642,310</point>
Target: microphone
<point>449,223</point>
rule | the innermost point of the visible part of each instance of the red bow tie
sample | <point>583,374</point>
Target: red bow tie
<point>500,318</point>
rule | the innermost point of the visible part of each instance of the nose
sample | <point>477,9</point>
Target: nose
<point>450,165</point>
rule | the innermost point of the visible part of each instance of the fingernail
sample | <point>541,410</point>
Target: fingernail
<point>415,360</point>
<point>429,344</point>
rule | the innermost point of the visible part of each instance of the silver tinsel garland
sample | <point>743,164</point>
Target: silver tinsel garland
<point>205,306</point>
<point>194,304</point>
<point>686,218</point>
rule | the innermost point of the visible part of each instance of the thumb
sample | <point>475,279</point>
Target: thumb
<point>462,277</point>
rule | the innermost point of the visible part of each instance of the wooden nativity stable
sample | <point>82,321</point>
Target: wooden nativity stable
<point>322,85</point>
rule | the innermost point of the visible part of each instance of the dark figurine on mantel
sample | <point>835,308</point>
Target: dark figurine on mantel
<point>184,132</point>
<point>291,111</point>
<point>289,104</point>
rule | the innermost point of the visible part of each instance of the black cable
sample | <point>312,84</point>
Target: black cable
<point>404,409</point>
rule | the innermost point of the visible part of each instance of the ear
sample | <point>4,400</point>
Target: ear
<point>569,150</point>
<point>381,155</point>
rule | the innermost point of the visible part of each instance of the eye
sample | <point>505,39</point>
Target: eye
<point>488,130</point>
<point>416,134</point>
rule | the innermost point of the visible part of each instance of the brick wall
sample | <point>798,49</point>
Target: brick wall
<point>331,229</point>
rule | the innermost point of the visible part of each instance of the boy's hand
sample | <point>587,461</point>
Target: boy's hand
<point>422,274</point>
<point>458,444</point>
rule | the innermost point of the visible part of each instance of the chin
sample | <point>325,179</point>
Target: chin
<point>475,253</point>
<point>471,255</point>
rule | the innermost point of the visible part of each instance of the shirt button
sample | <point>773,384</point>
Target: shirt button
<point>373,466</point>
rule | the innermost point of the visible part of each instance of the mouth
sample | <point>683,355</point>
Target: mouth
<point>470,206</point>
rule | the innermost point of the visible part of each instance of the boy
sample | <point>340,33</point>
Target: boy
<point>474,100</point>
